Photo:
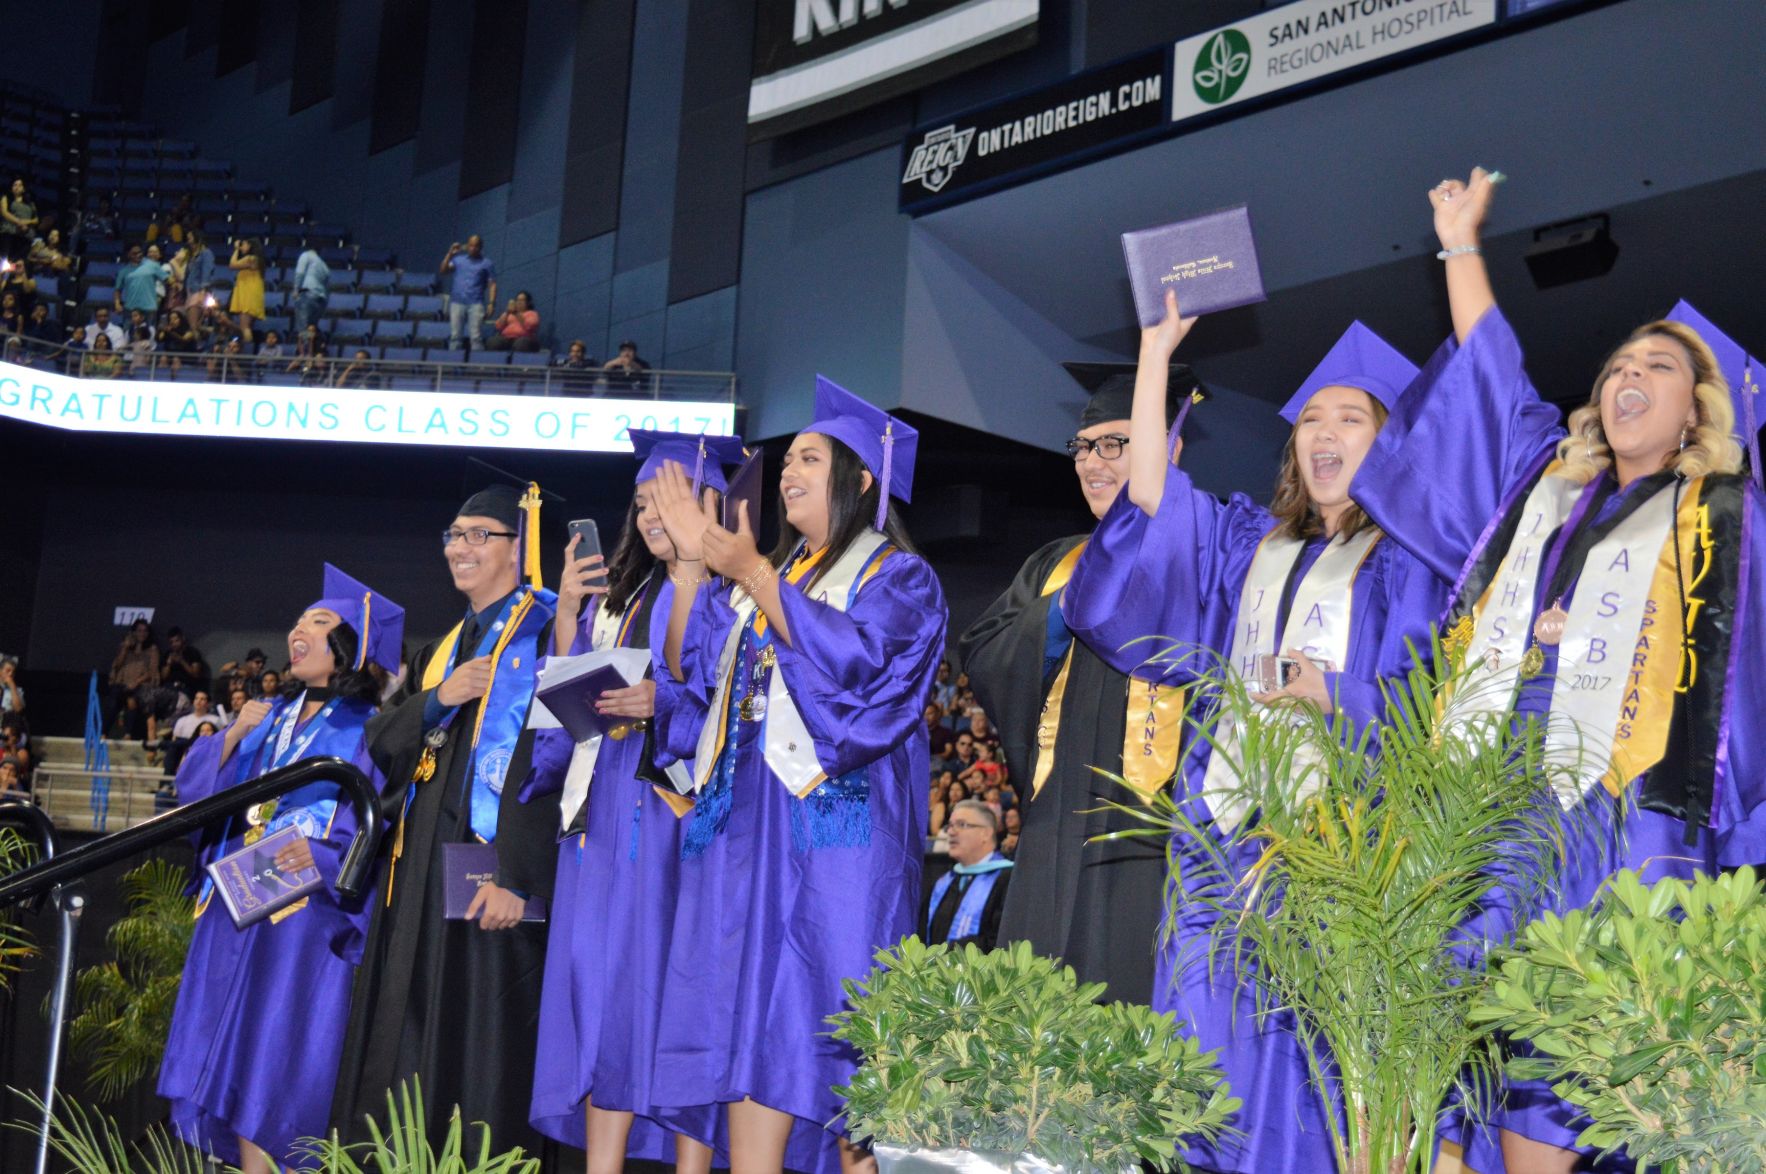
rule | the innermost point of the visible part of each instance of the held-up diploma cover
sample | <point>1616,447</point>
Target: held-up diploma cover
<point>252,887</point>
<point>1211,261</point>
<point>744,487</point>
<point>467,867</point>
<point>572,702</point>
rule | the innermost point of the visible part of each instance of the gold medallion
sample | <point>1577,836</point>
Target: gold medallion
<point>425,766</point>
<point>1532,661</point>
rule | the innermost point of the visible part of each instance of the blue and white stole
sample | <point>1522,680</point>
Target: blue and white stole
<point>512,641</point>
<point>967,922</point>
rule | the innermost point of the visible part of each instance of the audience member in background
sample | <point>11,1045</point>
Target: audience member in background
<point>942,739</point>
<point>518,328</point>
<point>575,360</point>
<point>177,339</point>
<point>141,353</point>
<point>269,683</point>
<point>48,255</point>
<point>625,369</point>
<point>361,373</point>
<point>18,221</point>
<point>39,328</point>
<point>944,690</point>
<point>11,781</point>
<point>984,772</point>
<point>235,702</point>
<point>178,270</point>
<point>12,319</point>
<point>12,693</point>
<point>140,282</point>
<point>246,673</point>
<point>272,347</point>
<point>962,753</point>
<point>103,361</point>
<point>134,672</point>
<point>312,288</point>
<point>99,225</point>
<point>102,326</point>
<point>184,730</point>
<point>231,363</point>
<point>313,368</point>
<point>941,802</point>
<point>183,669</point>
<point>964,904</point>
<point>19,282</point>
<point>1014,824</point>
<point>248,286</point>
<point>199,276</point>
<point>472,290</point>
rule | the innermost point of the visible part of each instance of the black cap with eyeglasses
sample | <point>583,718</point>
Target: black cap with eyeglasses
<point>477,536</point>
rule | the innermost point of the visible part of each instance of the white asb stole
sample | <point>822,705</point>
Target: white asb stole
<point>1318,625</point>
<point>1607,645</point>
<point>790,750</point>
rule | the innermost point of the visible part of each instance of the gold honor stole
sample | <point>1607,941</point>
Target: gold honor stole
<point>1152,734</point>
<point>1613,688</point>
<point>1318,625</point>
<point>789,749</point>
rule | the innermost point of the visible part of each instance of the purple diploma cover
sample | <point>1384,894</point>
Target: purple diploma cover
<point>1211,261</point>
<point>467,867</point>
<point>572,702</point>
<point>252,887</point>
<point>744,486</point>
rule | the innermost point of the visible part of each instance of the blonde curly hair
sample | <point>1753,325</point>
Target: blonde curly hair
<point>1710,445</point>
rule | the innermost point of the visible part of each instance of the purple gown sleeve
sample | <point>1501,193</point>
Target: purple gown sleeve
<point>1144,582</point>
<point>1740,804</point>
<point>201,773</point>
<point>1461,439</point>
<point>683,706</point>
<point>859,677</point>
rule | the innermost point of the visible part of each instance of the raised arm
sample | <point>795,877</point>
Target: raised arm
<point>1147,459</point>
<point>686,522</point>
<point>1460,209</point>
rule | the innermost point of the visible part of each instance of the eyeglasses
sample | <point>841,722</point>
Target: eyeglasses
<point>477,536</point>
<point>1108,447</point>
<point>965,825</point>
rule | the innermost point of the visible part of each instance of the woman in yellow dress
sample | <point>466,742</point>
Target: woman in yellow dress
<point>248,287</point>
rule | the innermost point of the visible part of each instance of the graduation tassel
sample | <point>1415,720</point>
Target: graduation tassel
<point>530,509</point>
<point>883,482</point>
<point>1749,389</point>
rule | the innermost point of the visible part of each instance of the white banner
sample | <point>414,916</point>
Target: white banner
<point>239,411</point>
<point>1303,42</point>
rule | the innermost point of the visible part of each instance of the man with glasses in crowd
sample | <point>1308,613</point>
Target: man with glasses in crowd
<point>1059,710</point>
<point>455,1001</point>
<point>964,904</point>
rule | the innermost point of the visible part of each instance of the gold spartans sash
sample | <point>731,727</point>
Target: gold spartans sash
<point>1318,624</point>
<point>1152,734</point>
<point>1619,662</point>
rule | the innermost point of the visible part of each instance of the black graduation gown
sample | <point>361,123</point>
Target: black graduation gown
<point>453,1004</point>
<point>1095,906</point>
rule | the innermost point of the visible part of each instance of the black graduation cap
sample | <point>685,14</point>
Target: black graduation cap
<point>517,510</point>
<point>1111,387</point>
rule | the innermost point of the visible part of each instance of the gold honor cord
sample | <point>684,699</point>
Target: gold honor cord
<point>1152,736</point>
<point>530,507</point>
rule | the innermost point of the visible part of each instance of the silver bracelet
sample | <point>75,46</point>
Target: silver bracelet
<point>1458,251</point>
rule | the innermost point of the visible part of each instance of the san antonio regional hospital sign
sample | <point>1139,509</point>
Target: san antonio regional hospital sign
<point>239,411</point>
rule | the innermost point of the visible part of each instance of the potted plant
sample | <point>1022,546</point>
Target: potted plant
<point>1648,1012</point>
<point>1004,1058</point>
<point>1373,851</point>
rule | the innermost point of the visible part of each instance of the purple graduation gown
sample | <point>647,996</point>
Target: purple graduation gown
<point>1178,576</point>
<point>1475,431</point>
<point>611,913</point>
<point>257,1033</point>
<point>769,924</point>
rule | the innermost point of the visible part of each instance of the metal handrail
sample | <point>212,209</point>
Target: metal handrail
<point>352,874</point>
<point>293,370</point>
<point>69,903</point>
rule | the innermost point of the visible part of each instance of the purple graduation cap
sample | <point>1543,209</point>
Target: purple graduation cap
<point>1740,369</point>
<point>704,457</point>
<point>1360,359</point>
<point>885,445</point>
<point>378,621</point>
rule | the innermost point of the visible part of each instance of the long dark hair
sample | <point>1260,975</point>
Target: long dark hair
<point>631,563</point>
<point>851,510</point>
<point>349,683</point>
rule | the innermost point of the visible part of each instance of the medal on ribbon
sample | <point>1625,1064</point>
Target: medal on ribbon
<point>1549,627</point>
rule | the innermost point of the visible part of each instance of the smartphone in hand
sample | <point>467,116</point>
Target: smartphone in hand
<point>588,536</point>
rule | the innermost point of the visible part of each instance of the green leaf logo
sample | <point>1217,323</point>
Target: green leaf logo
<point>1221,66</point>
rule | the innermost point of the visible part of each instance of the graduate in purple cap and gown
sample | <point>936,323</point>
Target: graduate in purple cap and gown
<point>1608,583</point>
<point>258,1029</point>
<point>456,1003</point>
<point>619,848</point>
<point>796,685</point>
<point>1225,584</point>
<point>1063,709</point>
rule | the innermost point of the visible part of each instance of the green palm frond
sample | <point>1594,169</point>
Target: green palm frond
<point>403,1146</point>
<point>16,946</point>
<point>89,1142</point>
<point>1353,884</point>
<point>125,1005</point>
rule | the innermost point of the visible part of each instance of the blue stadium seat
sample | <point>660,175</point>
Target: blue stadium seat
<point>376,258</point>
<point>292,208</point>
<point>280,323</point>
<point>254,228</point>
<point>490,358</point>
<point>252,206</point>
<point>100,295</point>
<point>275,299</point>
<point>432,334</point>
<point>48,287</point>
<point>423,306</point>
<point>210,167</point>
<point>390,330</point>
<point>401,354</point>
<point>341,279</point>
<point>383,305</point>
<point>531,358</point>
<point>210,183</point>
<point>276,275</point>
<point>416,283</point>
<point>325,231</point>
<point>338,258</point>
<point>412,383</point>
<point>103,270</point>
<point>372,280</point>
<point>351,329</point>
<point>346,304</point>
